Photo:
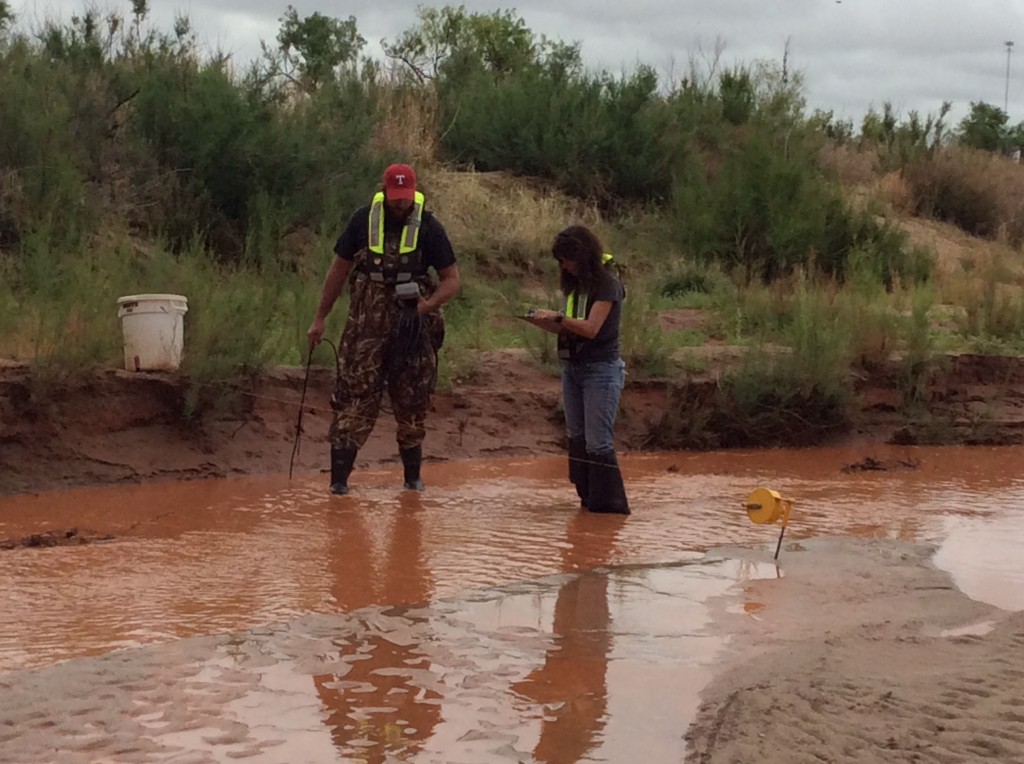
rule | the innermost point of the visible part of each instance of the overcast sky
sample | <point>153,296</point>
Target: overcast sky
<point>853,54</point>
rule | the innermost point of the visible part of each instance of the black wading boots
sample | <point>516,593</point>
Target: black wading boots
<point>342,460</point>
<point>579,469</point>
<point>411,460</point>
<point>607,492</point>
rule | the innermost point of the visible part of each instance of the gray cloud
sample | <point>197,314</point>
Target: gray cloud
<point>853,54</point>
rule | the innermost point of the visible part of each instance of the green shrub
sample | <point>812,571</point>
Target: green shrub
<point>686,281</point>
<point>596,136</point>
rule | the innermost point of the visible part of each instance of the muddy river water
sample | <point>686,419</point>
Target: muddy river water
<point>260,619</point>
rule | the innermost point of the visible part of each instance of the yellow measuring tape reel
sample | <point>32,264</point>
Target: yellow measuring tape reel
<point>766,507</point>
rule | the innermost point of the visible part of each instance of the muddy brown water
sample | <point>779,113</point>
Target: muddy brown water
<point>484,620</point>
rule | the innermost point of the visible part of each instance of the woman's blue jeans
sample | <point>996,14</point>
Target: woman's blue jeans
<point>590,395</point>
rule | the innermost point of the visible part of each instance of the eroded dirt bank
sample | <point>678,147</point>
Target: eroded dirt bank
<point>114,426</point>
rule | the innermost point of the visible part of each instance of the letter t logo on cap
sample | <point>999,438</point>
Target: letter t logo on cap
<point>399,182</point>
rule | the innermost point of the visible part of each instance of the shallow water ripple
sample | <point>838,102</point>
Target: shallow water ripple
<point>207,557</point>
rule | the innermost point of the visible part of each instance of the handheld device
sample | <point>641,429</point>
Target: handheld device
<point>409,290</point>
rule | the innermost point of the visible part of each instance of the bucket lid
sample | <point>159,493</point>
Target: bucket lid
<point>149,297</point>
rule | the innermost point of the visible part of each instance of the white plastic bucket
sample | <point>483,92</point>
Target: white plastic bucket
<point>153,326</point>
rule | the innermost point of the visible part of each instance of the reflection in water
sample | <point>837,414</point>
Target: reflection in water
<point>470,623</point>
<point>205,557</point>
<point>572,682</point>
<point>437,684</point>
<point>748,571</point>
<point>374,710</point>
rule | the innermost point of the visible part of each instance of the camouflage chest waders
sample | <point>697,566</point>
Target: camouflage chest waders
<point>374,356</point>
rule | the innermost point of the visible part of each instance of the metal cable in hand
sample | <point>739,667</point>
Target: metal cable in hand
<point>408,333</point>
<point>302,402</point>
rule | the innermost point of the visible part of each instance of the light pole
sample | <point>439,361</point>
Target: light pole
<point>1006,97</point>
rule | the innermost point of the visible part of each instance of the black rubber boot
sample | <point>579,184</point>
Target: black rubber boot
<point>342,460</point>
<point>579,469</point>
<point>607,491</point>
<point>411,460</point>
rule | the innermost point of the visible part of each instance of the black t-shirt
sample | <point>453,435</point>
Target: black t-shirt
<point>605,345</point>
<point>433,240</point>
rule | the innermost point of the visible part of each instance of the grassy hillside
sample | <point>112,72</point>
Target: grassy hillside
<point>131,161</point>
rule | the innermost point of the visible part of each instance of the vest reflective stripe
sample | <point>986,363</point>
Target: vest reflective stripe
<point>570,300</point>
<point>570,306</point>
<point>410,231</point>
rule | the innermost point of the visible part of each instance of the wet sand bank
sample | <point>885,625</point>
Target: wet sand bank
<point>852,651</point>
<point>865,653</point>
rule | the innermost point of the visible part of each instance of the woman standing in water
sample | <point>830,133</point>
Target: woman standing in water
<point>593,373</point>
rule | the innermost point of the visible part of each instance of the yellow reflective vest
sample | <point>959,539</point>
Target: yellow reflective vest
<point>407,263</point>
<point>410,232</point>
<point>577,308</point>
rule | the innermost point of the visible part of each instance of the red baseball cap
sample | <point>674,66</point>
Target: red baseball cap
<point>399,182</point>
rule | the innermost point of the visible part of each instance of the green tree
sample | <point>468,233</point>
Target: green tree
<point>736,89</point>
<point>450,42</point>
<point>984,128</point>
<point>1015,137</point>
<point>6,15</point>
<point>879,129</point>
<point>838,130</point>
<point>313,48</point>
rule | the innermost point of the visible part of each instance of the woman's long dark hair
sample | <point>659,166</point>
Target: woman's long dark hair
<point>579,244</point>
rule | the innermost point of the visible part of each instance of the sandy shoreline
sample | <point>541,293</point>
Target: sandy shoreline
<point>857,652</point>
<point>863,652</point>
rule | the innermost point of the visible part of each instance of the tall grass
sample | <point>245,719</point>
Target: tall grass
<point>980,192</point>
<point>644,347</point>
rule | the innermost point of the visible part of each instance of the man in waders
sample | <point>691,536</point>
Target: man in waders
<point>394,327</point>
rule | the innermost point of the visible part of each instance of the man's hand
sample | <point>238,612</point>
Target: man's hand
<point>315,332</point>
<point>423,307</point>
